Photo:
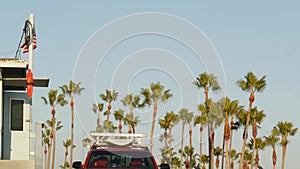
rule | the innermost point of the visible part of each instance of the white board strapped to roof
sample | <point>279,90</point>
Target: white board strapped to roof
<point>118,139</point>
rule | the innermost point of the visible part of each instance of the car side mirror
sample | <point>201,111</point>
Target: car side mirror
<point>164,166</point>
<point>77,164</point>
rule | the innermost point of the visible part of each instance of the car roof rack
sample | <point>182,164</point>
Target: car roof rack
<point>117,139</point>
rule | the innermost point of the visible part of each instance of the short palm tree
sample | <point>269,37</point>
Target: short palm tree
<point>284,129</point>
<point>272,140</point>
<point>201,120</point>
<point>72,90</point>
<point>250,84</point>
<point>256,117</point>
<point>46,141</point>
<point>119,116</point>
<point>183,116</point>
<point>169,121</point>
<point>204,159</point>
<point>132,102</point>
<point>66,144</point>
<point>53,99</point>
<point>218,151</point>
<point>132,122</point>
<point>233,156</point>
<point>230,109</point>
<point>189,120</point>
<point>109,97</point>
<point>98,108</point>
<point>153,95</point>
<point>208,81</point>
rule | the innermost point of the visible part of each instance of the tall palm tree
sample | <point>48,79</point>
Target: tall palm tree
<point>218,151</point>
<point>132,102</point>
<point>98,108</point>
<point>53,99</point>
<point>153,95</point>
<point>119,116</point>
<point>234,125</point>
<point>272,140</point>
<point>201,120</point>
<point>284,129</point>
<point>250,84</point>
<point>72,90</point>
<point>208,81</point>
<point>183,116</point>
<point>230,109</point>
<point>109,97</point>
<point>255,117</point>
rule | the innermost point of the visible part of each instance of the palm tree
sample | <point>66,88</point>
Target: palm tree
<point>272,140</point>
<point>233,126</point>
<point>233,156</point>
<point>183,116</point>
<point>98,108</point>
<point>53,99</point>
<point>169,121</point>
<point>201,120</point>
<point>72,90</point>
<point>154,94</point>
<point>108,97</point>
<point>119,116</point>
<point>189,119</point>
<point>133,102</point>
<point>252,85</point>
<point>208,81</point>
<point>255,117</point>
<point>218,151</point>
<point>284,129</point>
<point>66,144</point>
<point>132,122</point>
<point>260,145</point>
<point>204,159</point>
<point>230,109</point>
<point>46,140</point>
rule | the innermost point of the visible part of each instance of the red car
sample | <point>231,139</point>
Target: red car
<point>118,155</point>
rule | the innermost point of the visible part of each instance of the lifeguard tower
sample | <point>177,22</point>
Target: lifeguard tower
<point>16,84</point>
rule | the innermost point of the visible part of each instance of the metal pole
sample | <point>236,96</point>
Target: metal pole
<point>30,53</point>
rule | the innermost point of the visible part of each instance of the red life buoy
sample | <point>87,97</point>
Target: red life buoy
<point>29,83</point>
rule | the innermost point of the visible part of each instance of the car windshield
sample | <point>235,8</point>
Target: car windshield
<point>106,159</point>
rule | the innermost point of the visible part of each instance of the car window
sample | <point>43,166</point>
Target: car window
<point>121,160</point>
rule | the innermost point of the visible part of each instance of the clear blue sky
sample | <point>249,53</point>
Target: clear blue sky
<point>262,37</point>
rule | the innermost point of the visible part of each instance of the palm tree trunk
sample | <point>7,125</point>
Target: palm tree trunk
<point>227,155</point>
<point>108,111</point>
<point>66,155</point>
<point>131,116</point>
<point>230,141</point>
<point>49,153</point>
<point>283,155</point>
<point>201,129</point>
<point>170,146</point>
<point>274,157</point>
<point>223,147</point>
<point>45,156</point>
<point>72,132</point>
<point>182,139</point>
<point>246,132</point>
<point>212,135</point>
<point>54,149</point>
<point>191,146</point>
<point>253,150</point>
<point>153,124</point>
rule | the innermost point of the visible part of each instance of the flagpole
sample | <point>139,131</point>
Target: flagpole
<point>30,54</point>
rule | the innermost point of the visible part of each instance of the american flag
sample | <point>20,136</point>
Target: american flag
<point>26,43</point>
